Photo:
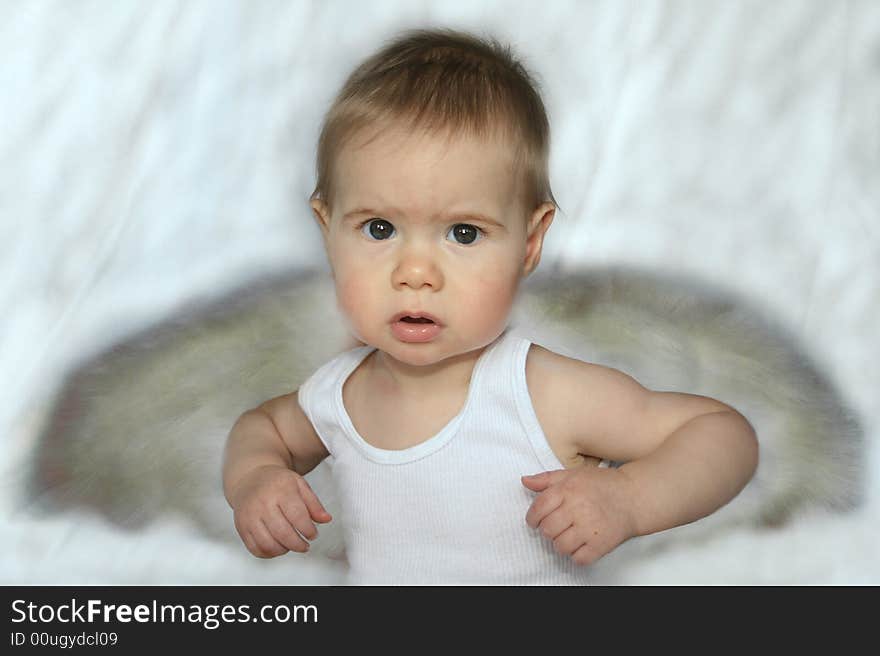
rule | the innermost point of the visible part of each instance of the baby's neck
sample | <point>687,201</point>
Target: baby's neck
<point>415,381</point>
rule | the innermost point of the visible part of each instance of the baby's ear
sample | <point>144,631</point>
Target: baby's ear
<point>322,214</point>
<point>539,223</point>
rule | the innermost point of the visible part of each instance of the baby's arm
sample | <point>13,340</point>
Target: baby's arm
<point>269,450</point>
<point>685,456</point>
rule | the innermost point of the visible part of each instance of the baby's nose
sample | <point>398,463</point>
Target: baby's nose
<point>417,270</point>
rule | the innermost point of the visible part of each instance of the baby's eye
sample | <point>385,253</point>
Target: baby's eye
<point>377,229</point>
<point>464,233</point>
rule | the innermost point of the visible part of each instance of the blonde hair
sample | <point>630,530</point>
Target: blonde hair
<point>447,81</point>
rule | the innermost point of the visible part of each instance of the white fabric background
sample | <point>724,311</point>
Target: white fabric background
<point>151,152</point>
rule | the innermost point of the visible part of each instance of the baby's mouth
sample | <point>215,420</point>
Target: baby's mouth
<point>415,318</point>
<point>418,327</point>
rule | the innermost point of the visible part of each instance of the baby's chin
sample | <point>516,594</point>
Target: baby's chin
<point>430,353</point>
<point>412,354</point>
<point>416,354</point>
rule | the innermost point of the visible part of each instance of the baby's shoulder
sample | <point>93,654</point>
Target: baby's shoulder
<point>584,407</point>
<point>578,384</point>
<point>553,377</point>
<point>554,381</point>
<point>550,369</point>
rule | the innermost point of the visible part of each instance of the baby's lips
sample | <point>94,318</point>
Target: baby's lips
<point>417,314</point>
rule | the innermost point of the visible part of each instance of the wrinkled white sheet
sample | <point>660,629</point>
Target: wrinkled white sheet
<point>153,152</point>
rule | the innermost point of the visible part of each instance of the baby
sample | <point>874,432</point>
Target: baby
<point>461,451</point>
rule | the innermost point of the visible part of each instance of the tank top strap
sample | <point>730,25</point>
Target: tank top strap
<point>517,352</point>
<point>509,391</point>
<point>501,360</point>
<point>494,370</point>
<point>317,395</point>
<point>503,395</point>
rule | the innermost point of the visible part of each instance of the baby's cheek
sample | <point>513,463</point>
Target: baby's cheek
<point>349,290</point>
<point>492,299</point>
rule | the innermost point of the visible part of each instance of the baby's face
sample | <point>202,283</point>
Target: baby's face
<point>423,225</point>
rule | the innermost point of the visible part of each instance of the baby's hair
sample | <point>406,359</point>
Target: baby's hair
<point>443,81</point>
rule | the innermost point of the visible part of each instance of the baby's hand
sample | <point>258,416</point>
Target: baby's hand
<point>586,511</point>
<point>274,509</point>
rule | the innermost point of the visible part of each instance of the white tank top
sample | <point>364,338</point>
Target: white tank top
<point>452,509</point>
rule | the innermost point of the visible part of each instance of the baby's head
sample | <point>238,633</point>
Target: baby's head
<point>433,194</point>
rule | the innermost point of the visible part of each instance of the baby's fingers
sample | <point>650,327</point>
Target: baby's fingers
<point>297,516</point>
<point>260,542</point>
<point>313,504</point>
<point>544,504</point>
<point>555,523</point>
<point>568,542</point>
<point>284,531</point>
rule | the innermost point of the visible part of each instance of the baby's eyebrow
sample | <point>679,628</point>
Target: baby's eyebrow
<point>450,216</point>
<point>362,211</point>
<point>473,216</point>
